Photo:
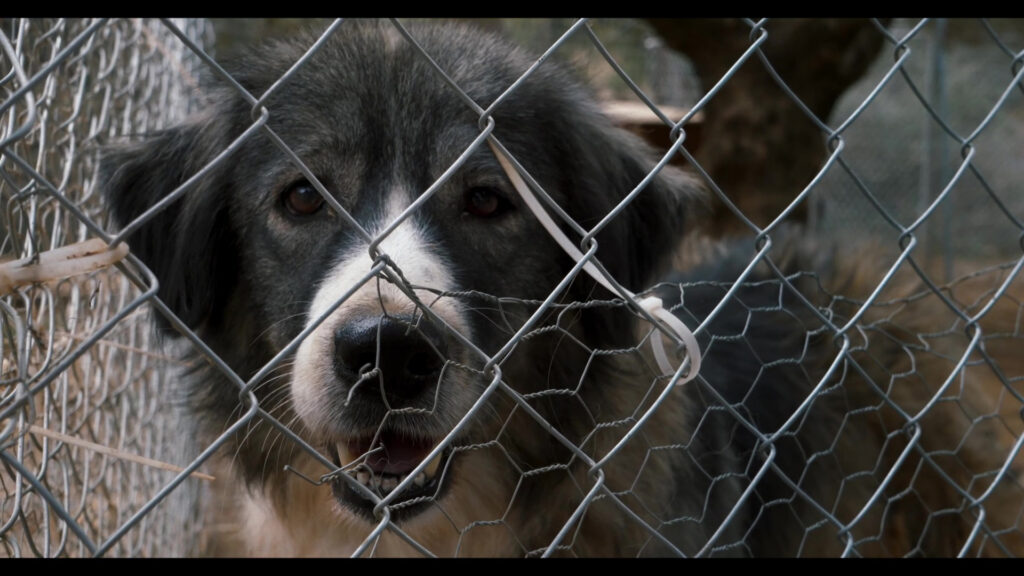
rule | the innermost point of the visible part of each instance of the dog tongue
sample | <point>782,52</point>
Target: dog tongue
<point>399,456</point>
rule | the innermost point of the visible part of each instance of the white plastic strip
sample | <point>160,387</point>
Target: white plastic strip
<point>652,304</point>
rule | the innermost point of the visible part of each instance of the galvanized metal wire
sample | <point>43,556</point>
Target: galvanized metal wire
<point>80,360</point>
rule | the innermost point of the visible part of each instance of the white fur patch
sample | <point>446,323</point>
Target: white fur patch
<point>421,265</point>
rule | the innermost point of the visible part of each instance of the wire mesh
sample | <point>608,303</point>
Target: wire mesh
<point>902,435</point>
<point>73,371</point>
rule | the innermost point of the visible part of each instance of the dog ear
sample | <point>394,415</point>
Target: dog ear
<point>188,245</point>
<point>607,164</point>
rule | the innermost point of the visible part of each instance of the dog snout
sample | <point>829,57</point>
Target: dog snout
<point>409,353</point>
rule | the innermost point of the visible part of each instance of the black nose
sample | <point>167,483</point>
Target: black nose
<point>411,355</point>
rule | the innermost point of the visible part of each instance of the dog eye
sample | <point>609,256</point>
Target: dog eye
<point>302,199</point>
<point>485,202</point>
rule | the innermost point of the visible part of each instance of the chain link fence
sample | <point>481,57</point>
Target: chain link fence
<point>959,68</point>
<point>80,367</point>
<point>99,456</point>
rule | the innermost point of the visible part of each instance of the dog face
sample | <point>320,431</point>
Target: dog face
<point>396,304</point>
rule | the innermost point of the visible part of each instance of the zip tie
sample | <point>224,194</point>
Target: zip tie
<point>655,307</point>
<point>60,263</point>
<point>652,304</point>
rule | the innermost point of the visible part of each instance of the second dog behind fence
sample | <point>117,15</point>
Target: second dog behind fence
<point>463,386</point>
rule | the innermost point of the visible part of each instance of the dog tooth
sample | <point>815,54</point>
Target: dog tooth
<point>420,479</point>
<point>363,477</point>
<point>432,466</point>
<point>389,483</point>
<point>344,455</point>
<point>375,481</point>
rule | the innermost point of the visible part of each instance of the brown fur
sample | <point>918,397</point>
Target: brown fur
<point>913,343</point>
<point>908,342</point>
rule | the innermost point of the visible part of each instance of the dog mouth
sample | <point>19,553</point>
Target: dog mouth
<point>382,462</point>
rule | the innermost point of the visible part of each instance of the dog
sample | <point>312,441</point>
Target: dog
<point>460,388</point>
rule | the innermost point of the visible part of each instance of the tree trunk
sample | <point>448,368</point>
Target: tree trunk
<point>759,147</point>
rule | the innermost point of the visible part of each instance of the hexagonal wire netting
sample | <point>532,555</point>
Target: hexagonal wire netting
<point>93,461</point>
